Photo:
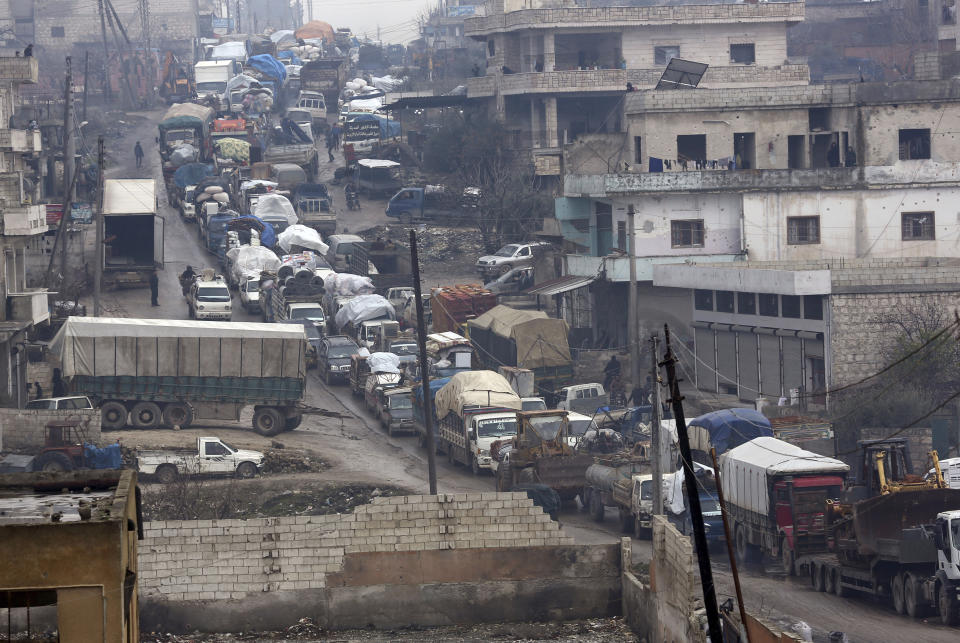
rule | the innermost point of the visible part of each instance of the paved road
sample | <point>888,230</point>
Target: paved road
<point>361,452</point>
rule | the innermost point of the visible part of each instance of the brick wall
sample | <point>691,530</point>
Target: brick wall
<point>23,429</point>
<point>196,560</point>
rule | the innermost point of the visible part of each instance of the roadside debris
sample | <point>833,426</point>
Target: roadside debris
<point>436,244</point>
<point>280,460</point>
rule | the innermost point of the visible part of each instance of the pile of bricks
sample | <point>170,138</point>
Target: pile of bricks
<point>229,559</point>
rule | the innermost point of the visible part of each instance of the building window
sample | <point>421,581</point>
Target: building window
<point>687,233</point>
<point>949,13</point>
<point>703,300</point>
<point>769,305</point>
<point>742,54</point>
<point>918,226</point>
<point>746,303</point>
<point>56,32</point>
<point>790,306</point>
<point>491,48</point>
<point>637,151</point>
<point>812,307</point>
<point>622,236</point>
<point>802,230</point>
<point>724,301</point>
<point>692,147</point>
<point>914,144</point>
<point>819,119</point>
<point>663,55</point>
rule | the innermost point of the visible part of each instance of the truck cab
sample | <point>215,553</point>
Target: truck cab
<point>188,209</point>
<point>641,501</point>
<point>209,298</point>
<point>377,177</point>
<point>397,412</point>
<point>310,311</point>
<point>484,427</point>
<point>211,78</point>
<point>314,103</point>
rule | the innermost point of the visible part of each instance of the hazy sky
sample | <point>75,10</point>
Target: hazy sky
<point>396,18</point>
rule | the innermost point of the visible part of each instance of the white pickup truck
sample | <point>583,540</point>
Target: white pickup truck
<point>212,456</point>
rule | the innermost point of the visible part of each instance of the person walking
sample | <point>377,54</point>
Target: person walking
<point>59,386</point>
<point>336,135</point>
<point>330,146</point>
<point>138,153</point>
<point>833,155</point>
<point>38,390</point>
<point>610,371</point>
<point>154,288</point>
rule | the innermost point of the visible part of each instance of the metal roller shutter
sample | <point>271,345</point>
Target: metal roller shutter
<point>706,378</point>
<point>727,359</point>
<point>747,360</point>
<point>770,365</point>
<point>792,363</point>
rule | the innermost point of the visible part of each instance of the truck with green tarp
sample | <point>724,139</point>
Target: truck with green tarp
<point>148,373</point>
<point>505,336</point>
<point>186,123</point>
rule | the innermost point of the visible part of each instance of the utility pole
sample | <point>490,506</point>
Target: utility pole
<point>693,498</point>
<point>424,365</point>
<point>114,20</point>
<point>633,334</point>
<point>656,442</point>
<point>60,241</point>
<point>147,50</point>
<point>98,213</point>
<point>86,80</point>
<point>106,50</point>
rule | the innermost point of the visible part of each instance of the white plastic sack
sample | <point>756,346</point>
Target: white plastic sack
<point>184,154</point>
<point>384,363</point>
<point>252,259</point>
<point>364,308</point>
<point>345,284</point>
<point>275,205</point>
<point>301,235</point>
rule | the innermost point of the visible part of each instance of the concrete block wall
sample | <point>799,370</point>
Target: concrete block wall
<point>232,559</point>
<point>24,429</point>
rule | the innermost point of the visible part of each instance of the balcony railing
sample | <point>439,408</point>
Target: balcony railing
<point>30,306</point>
<point>18,140</point>
<point>617,267</point>
<point>24,70</point>
<point>24,220</point>
<point>564,81</point>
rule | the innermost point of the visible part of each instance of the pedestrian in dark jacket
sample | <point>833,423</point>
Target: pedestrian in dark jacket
<point>138,153</point>
<point>59,386</point>
<point>154,288</point>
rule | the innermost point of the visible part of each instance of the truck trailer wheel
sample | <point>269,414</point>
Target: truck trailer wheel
<point>113,415</point>
<point>177,414</point>
<point>167,473</point>
<point>912,596</point>
<point>786,557</point>
<point>817,576</point>
<point>896,593</point>
<point>292,422</point>
<point>947,605</point>
<point>53,461</point>
<point>145,415</point>
<point>267,421</point>
<point>596,507</point>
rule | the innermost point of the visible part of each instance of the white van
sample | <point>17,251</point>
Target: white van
<point>209,298</point>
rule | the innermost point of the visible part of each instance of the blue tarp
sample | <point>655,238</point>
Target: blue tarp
<point>268,237</point>
<point>267,64</point>
<point>191,174</point>
<point>726,429</point>
<point>388,128</point>
<point>108,457</point>
<point>289,54</point>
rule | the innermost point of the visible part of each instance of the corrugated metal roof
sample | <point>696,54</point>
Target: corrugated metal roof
<point>560,285</point>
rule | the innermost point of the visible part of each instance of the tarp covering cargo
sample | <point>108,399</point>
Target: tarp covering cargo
<point>269,66</point>
<point>315,29</point>
<point>281,35</point>
<point>108,457</point>
<point>541,341</point>
<point>384,363</point>
<point>476,388</point>
<point>726,429</point>
<point>274,205</point>
<point>229,51</point>
<point>364,308</point>
<point>242,81</point>
<point>267,235</point>
<point>191,174</point>
<point>746,470</point>
<point>184,115</point>
<point>252,259</point>
<point>301,235</point>
<point>110,346</point>
<point>183,155</point>
<point>345,284</point>
<point>233,148</point>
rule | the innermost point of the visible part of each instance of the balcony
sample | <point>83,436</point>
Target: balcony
<point>24,220</point>
<point>30,306</point>
<point>24,70</point>
<point>482,87</point>
<point>590,80</point>
<point>592,17</point>
<point>19,140</point>
<point>617,267</point>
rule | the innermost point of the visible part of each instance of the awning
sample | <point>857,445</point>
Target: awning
<point>560,285</point>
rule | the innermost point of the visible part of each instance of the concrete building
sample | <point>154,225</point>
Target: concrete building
<point>557,70</point>
<point>23,222</point>
<point>720,175</point>
<point>70,542</point>
<point>771,329</point>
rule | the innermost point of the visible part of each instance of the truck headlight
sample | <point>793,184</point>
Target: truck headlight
<point>228,306</point>
<point>200,307</point>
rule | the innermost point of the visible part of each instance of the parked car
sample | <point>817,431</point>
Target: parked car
<point>333,357</point>
<point>509,257</point>
<point>583,398</point>
<point>61,403</point>
<point>250,295</point>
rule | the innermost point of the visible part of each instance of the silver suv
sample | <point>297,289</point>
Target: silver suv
<point>509,257</point>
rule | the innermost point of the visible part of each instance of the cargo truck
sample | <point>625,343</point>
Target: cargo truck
<point>186,123</point>
<point>387,267</point>
<point>776,495</point>
<point>313,205</point>
<point>324,75</point>
<point>420,409</point>
<point>133,233</point>
<point>611,482</point>
<point>148,373</point>
<point>476,408</point>
<point>526,339</point>
<point>453,306</point>
<point>211,78</point>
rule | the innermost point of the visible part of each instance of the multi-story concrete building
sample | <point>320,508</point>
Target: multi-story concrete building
<point>860,170</point>
<point>23,220</point>
<point>558,69</point>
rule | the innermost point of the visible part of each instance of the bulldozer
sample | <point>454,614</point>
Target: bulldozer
<point>541,453</point>
<point>176,85</point>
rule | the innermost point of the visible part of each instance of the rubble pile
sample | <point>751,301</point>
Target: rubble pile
<point>328,500</point>
<point>291,461</point>
<point>436,244</point>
